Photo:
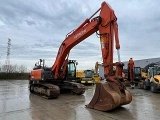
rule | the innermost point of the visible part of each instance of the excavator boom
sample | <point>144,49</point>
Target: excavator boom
<point>106,24</point>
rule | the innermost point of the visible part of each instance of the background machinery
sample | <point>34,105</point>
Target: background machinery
<point>151,78</point>
<point>88,79</point>
<point>108,95</point>
<point>137,76</point>
<point>86,76</point>
<point>96,76</point>
<point>132,74</point>
<point>80,73</point>
<point>99,72</point>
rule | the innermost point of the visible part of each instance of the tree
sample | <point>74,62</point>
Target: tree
<point>13,68</point>
<point>22,69</point>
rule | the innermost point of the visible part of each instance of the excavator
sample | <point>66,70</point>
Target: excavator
<point>88,79</point>
<point>86,76</point>
<point>108,95</point>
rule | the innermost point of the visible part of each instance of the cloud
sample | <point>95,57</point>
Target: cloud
<point>37,29</point>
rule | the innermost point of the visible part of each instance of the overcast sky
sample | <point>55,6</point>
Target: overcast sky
<point>38,27</point>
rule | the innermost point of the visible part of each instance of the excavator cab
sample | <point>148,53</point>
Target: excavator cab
<point>137,72</point>
<point>71,69</point>
<point>88,77</point>
<point>137,75</point>
<point>88,73</point>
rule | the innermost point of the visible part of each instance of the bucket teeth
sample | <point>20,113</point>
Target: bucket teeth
<point>108,96</point>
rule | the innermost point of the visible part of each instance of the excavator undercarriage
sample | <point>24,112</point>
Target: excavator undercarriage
<point>42,81</point>
<point>53,90</point>
<point>45,90</point>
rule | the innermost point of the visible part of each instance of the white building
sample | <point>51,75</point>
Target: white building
<point>101,71</point>
<point>138,63</point>
<point>143,62</point>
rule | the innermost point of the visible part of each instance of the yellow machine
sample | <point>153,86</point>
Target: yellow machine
<point>152,81</point>
<point>96,76</point>
<point>144,71</point>
<point>80,73</point>
<point>150,77</point>
<point>144,75</point>
<point>86,76</point>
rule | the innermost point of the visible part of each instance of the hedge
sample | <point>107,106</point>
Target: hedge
<point>16,76</point>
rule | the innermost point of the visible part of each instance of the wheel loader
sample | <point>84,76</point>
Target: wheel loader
<point>152,81</point>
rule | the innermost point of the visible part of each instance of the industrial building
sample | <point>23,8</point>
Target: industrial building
<point>138,63</point>
<point>143,62</point>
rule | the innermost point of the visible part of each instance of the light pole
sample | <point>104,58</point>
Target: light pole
<point>0,64</point>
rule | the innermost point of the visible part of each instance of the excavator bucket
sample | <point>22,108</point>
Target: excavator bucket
<point>108,96</point>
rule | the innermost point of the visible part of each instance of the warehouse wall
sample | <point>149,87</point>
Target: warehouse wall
<point>142,63</point>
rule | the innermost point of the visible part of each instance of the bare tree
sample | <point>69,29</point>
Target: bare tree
<point>13,68</point>
<point>22,69</point>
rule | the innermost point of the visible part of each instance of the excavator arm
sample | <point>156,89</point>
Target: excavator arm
<point>82,32</point>
<point>107,26</point>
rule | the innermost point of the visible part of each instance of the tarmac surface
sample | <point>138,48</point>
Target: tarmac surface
<point>16,103</point>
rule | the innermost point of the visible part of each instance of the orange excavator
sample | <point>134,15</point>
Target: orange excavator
<point>108,95</point>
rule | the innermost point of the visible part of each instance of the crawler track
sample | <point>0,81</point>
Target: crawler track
<point>78,88</point>
<point>45,90</point>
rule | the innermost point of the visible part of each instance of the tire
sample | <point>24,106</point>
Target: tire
<point>140,85</point>
<point>145,87</point>
<point>31,88</point>
<point>132,85</point>
<point>136,84</point>
<point>153,89</point>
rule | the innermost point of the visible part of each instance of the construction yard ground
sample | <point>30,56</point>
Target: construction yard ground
<point>16,103</point>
